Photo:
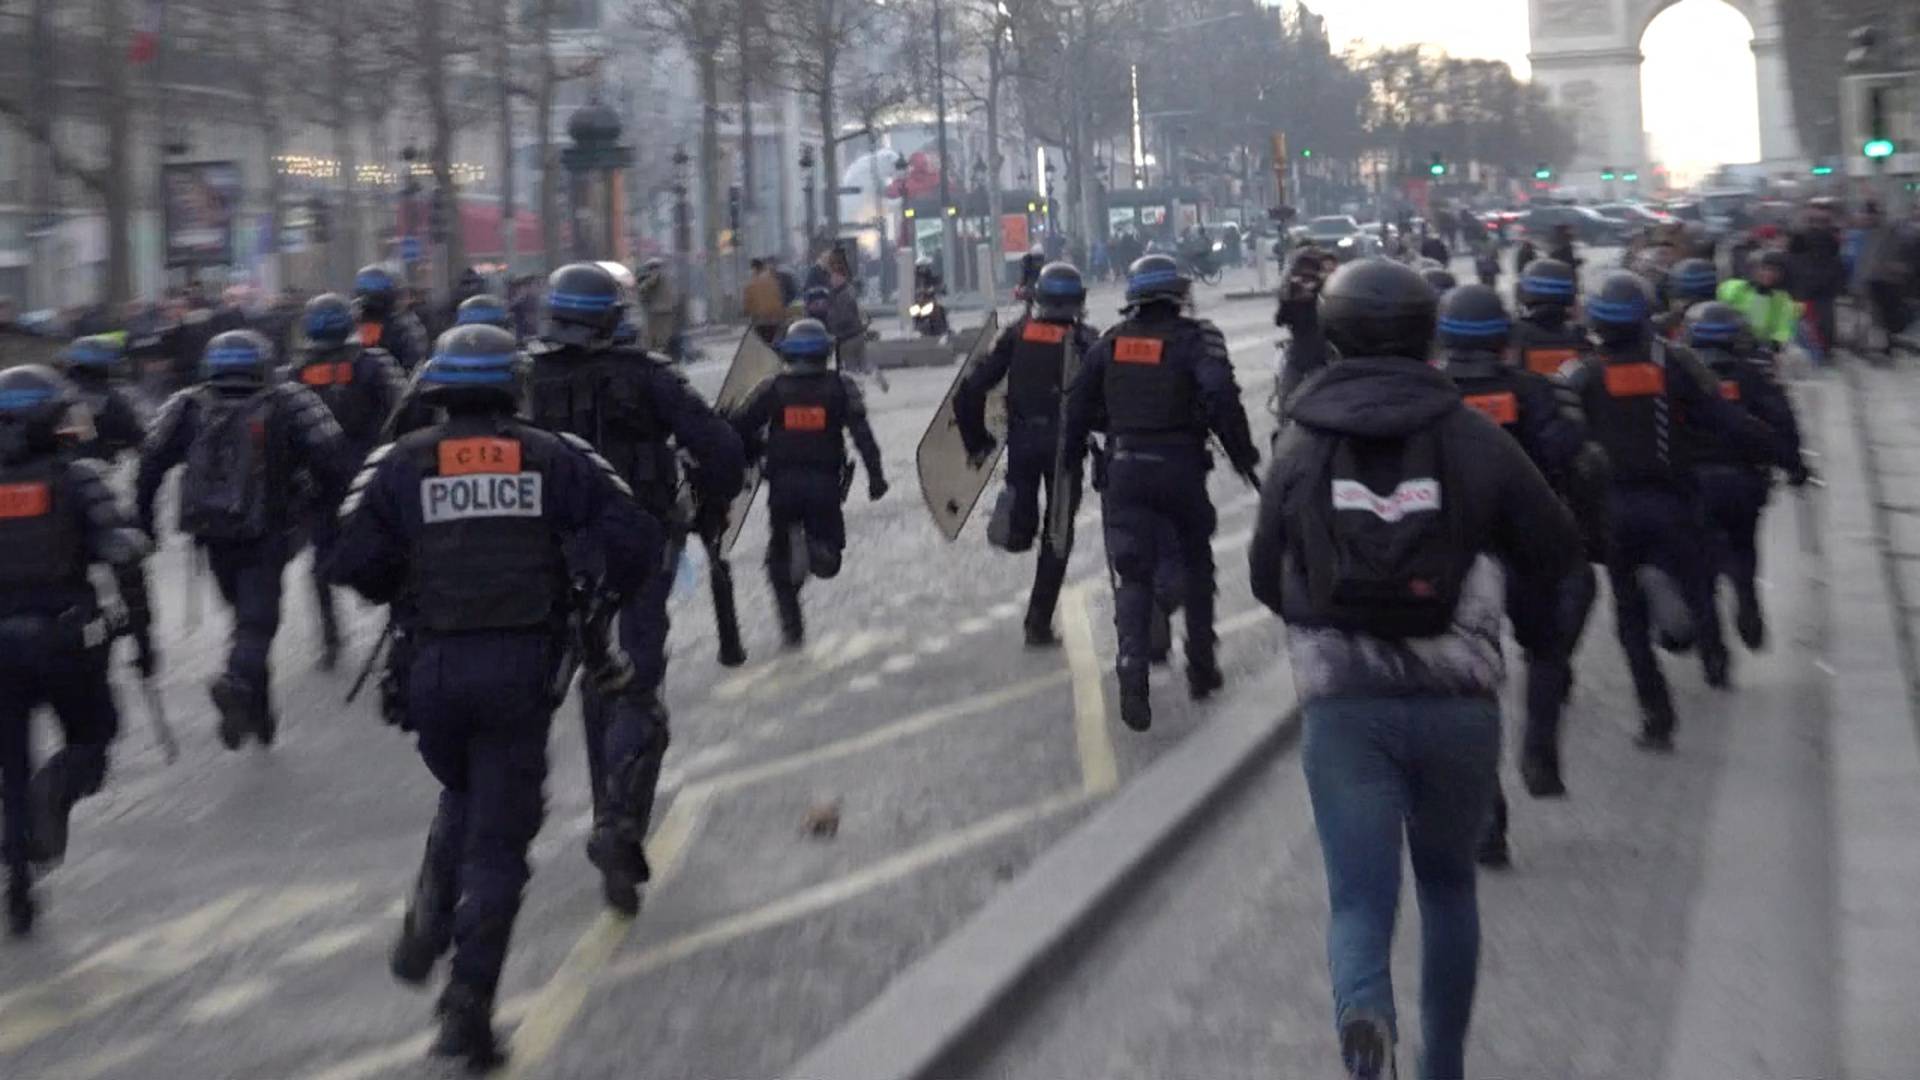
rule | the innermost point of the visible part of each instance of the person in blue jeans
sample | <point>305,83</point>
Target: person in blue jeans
<point>1387,521</point>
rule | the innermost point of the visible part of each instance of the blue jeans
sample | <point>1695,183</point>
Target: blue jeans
<point>1377,767</point>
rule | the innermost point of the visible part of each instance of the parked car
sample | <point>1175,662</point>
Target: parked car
<point>1589,227</point>
<point>1634,215</point>
<point>1341,235</point>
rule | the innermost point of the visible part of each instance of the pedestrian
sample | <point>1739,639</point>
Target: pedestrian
<point>1380,520</point>
<point>1816,276</point>
<point>764,302</point>
<point>1299,312</point>
<point>797,425</point>
<point>1763,299</point>
<point>1031,356</point>
<point>243,437</point>
<point>96,368</point>
<point>1163,382</point>
<point>362,388</point>
<point>1882,279</point>
<point>660,303</point>
<point>641,414</point>
<point>474,527</point>
<point>848,323</point>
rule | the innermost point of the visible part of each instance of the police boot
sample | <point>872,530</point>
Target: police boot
<point>1656,731</point>
<point>616,849</point>
<point>1160,634</point>
<point>1540,772</point>
<point>466,1029</point>
<point>234,699</point>
<point>424,937</point>
<point>1493,852</point>
<point>48,805</point>
<point>20,906</point>
<point>1717,665</point>
<point>1136,707</point>
<point>1748,620</point>
<point>1203,677</point>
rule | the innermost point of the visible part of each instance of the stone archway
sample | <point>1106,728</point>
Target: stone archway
<point>1587,54</point>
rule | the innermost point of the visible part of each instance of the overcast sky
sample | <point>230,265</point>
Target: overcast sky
<point>1698,65</point>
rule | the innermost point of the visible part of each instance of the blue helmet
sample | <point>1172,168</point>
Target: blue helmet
<point>1693,280</point>
<point>1620,310</point>
<point>807,341</point>
<point>584,305</point>
<point>1714,325</point>
<point>34,403</point>
<point>483,310</point>
<point>96,353</point>
<point>1472,317</point>
<point>473,365</point>
<point>1156,279</point>
<point>327,322</point>
<point>239,359</point>
<point>376,292</point>
<point>1547,283</point>
<point>1060,292</point>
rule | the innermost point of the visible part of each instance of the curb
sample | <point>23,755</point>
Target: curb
<point>927,1015</point>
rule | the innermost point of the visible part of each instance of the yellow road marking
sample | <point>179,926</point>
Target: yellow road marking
<point>327,945</point>
<point>408,1051</point>
<point>555,1005</point>
<point>228,1000</point>
<point>1099,773</point>
<point>840,890</point>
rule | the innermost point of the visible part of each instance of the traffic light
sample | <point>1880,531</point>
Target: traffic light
<point>909,212</point>
<point>1541,172</point>
<point>1439,166</point>
<point>953,211</point>
<point>1607,174</point>
<point>1823,169</point>
<point>1878,148</point>
<point>1306,151</point>
<point>1032,207</point>
<point>1632,178</point>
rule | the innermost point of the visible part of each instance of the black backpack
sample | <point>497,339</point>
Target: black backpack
<point>223,493</point>
<point>1379,540</point>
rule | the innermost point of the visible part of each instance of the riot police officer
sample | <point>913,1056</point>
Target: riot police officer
<point>94,366</point>
<point>1159,382</point>
<point>1642,398</point>
<point>1734,489</point>
<point>1546,337</point>
<point>482,521</point>
<point>384,323</point>
<point>1690,281</point>
<point>1031,355</point>
<point>242,437</point>
<point>799,422</point>
<point>362,388</point>
<point>1547,616</point>
<point>483,310</point>
<point>639,412</point>
<point>57,518</point>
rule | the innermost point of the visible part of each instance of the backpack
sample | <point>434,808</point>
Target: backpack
<point>223,493</point>
<point>1380,543</point>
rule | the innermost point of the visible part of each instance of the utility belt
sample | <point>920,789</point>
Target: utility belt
<point>83,627</point>
<point>1151,441</point>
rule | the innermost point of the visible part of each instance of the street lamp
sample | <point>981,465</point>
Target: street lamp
<point>682,219</point>
<point>806,163</point>
<point>595,162</point>
<point>1048,193</point>
<point>409,209</point>
<point>907,239</point>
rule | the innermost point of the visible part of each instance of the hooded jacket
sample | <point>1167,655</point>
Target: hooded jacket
<point>1508,516</point>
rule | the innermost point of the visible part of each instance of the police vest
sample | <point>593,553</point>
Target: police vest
<point>1543,350</point>
<point>809,421</point>
<point>1734,380</point>
<point>39,532</point>
<point>353,401</point>
<point>486,557</point>
<point>1149,389</point>
<point>590,395</point>
<point>1495,396</point>
<point>1630,415</point>
<point>1033,384</point>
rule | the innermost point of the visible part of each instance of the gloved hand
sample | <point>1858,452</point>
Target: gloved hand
<point>876,488</point>
<point>978,455</point>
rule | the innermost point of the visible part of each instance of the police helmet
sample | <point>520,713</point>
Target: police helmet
<point>238,359</point>
<point>473,366</point>
<point>1472,317</point>
<point>35,402</point>
<point>1439,277</point>
<point>807,341</point>
<point>1547,283</point>
<point>584,305</point>
<point>1155,279</point>
<point>1377,307</point>
<point>1692,280</point>
<point>327,321</point>
<point>1620,310</point>
<point>376,292</point>
<point>1714,325</point>
<point>482,310</point>
<point>1060,293</point>
<point>97,353</point>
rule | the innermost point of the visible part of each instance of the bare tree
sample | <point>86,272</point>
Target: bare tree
<point>823,36</point>
<point>703,28</point>
<point>500,14</point>
<point>111,54</point>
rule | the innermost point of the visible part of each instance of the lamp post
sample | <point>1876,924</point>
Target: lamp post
<point>806,188</point>
<point>979,176</point>
<point>596,163</point>
<point>682,218</point>
<point>909,243</point>
<point>409,208</point>
<point>1047,192</point>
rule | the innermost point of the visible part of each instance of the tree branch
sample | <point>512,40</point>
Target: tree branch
<point>95,180</point>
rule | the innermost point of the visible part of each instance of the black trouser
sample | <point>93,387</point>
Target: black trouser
<point>248,575</point>
<point>1156,497</point>
<point>1032,457</point>
<point>803,505</point>
<point>1658,527</point>
<point>45,663</point>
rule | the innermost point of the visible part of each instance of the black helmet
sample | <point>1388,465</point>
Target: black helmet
<point>98,353</point>
<point>1715,325</point>
<point>241,359</point>
<point>584,305</point>
<point>475,367</point>
<point>376,292</point>
<point>483,310</point>
<point>327,321</point>
<point>1378,307</point>
<point>35,403</point>
<point>1692,280</point>
<point>807,341</point>
<point>1439,277</point>
<point>1060,293</point>
<point>1472,317</point>
<point>1155,279</point>
<point>1547,283</point>
<point>1620,310</point>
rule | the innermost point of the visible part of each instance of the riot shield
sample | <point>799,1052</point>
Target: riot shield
<point>949,484</point>
<point>1064,501</point>
<point>753,363</point>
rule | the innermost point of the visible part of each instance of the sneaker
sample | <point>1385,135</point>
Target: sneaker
<point>47,811</point>
<point>233,700</point>
<point>1366,1049</point>
<point>622,865</point>
<point>466,1030</point>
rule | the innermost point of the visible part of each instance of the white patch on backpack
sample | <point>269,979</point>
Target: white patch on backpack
<point>482,495</point>
<point>1411,497</point>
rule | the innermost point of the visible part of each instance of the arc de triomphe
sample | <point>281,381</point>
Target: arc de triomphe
<point>1587,53</point>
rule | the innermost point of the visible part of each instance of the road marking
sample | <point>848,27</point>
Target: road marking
<point>860,684</point>
<point>1099,773</point>
<point>1245,620</point>
<point>1005,610</point>
<point>975,625</point>
<point>895,665</point>
<point>408,1051</point>
<point>228,1000</point>
<point>326,946</point>
<point>840,890</point>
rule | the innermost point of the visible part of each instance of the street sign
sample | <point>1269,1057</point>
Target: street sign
<point>410,249</point>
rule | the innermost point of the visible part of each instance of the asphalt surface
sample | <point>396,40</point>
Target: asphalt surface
<point>228,916</point>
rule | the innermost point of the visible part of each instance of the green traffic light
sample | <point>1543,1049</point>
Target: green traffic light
<point>1543,174</point>
<point>1878,148</point>
<point>1606,176</point>
<point>1823,170</point>
<point>1631,178</point>
<point>1437,169</point>
<point>1306,153</point>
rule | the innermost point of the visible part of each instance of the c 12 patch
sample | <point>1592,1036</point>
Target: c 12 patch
<point>25,500</point>
<point>481,495</point>
<point>804,418</point>
<point>465,457</point>
<point>1138,350</point>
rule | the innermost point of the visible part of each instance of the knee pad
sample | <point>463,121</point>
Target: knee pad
<point>823,560</point>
